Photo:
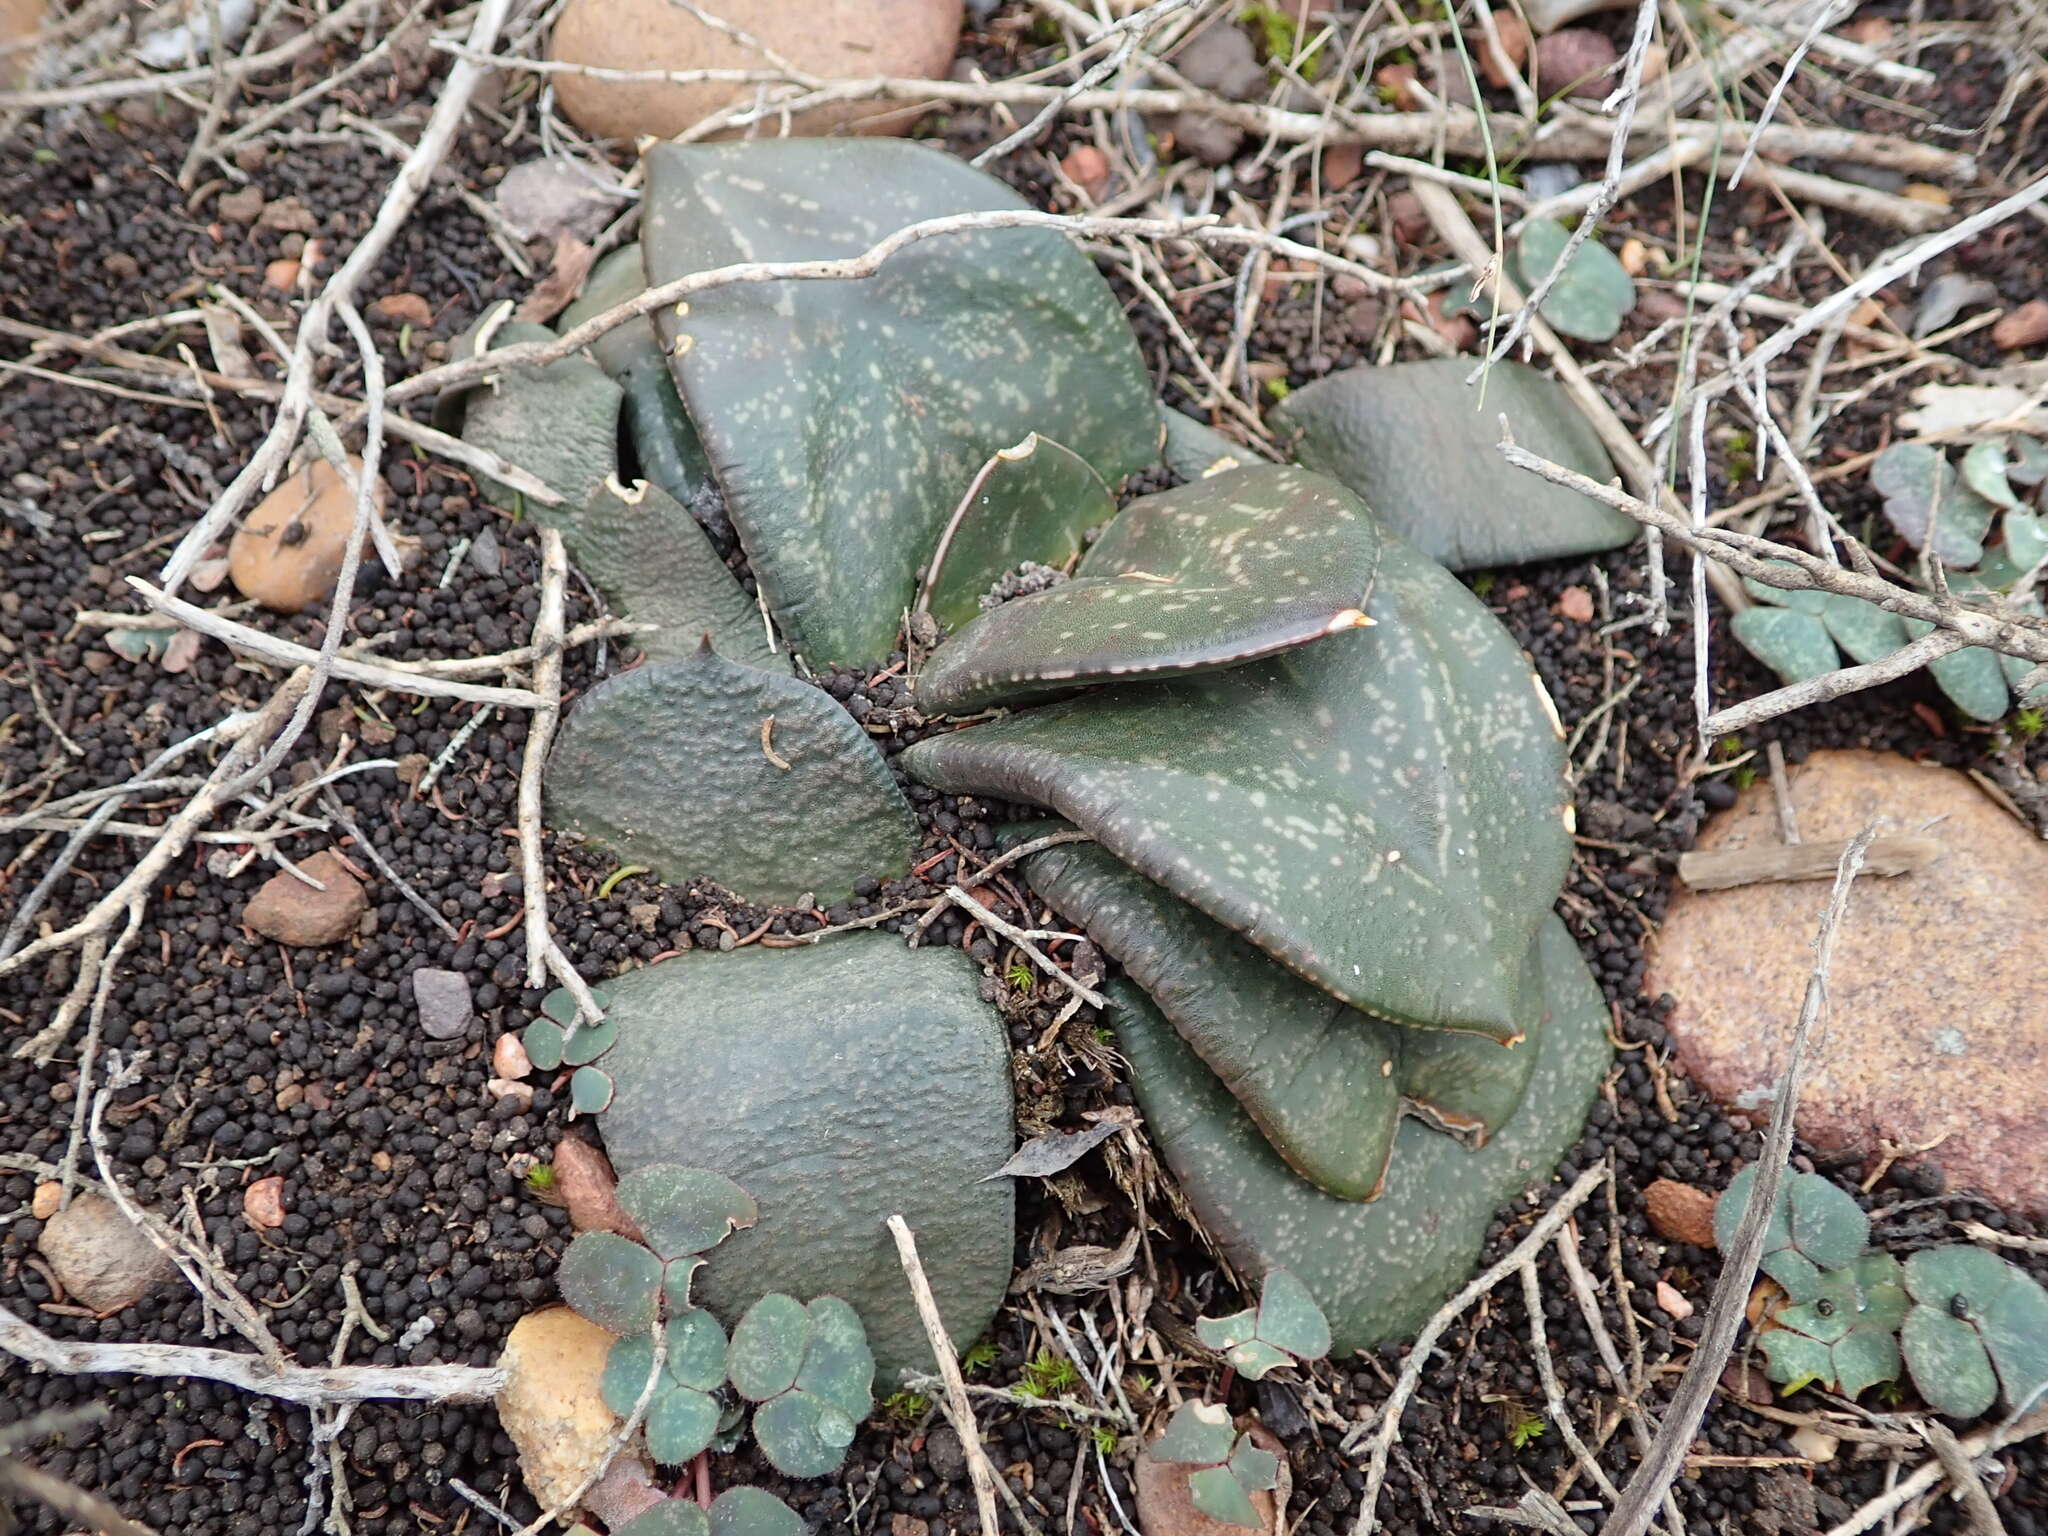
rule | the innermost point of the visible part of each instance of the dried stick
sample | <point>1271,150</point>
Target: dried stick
<point>1389,1418</point>
<point>309,1386</point>
<point>1662,1462</point>
<point>1949,1452</point>
<point>540,733</point>
<point>958,1408</point>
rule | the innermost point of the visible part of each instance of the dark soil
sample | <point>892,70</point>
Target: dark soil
<point>398,1165</point>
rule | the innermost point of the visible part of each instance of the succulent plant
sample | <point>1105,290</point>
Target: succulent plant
<point>1978,1328</point>
<point>1224,1467</point>
<point>1284,1327</point>
<point>1797,633</point>
<point>1422,448</point>
<point>1813,1226</point>
<point>1592,294</point>
<point>1327,790</point>
<point>1846,1338</point>
<point>735,1512</point>
<point>808,1372</point>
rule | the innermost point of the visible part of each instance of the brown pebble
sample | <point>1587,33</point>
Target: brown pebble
<point>1576,604</point>
<point>288,552</point>
<point>1396,84</point>
<point>509,1058</point>
<point>1404,211</point>
<point>282,274</point>
<point>1680,1212</point>
<point>1088,168</point>
<point>48,1197</point>
<point>1342,165</point>
<point>292,912</point>
<point>585,1183</point>
<point>405,308</point>
<point>1502,64</point>
<point>1575,61</point>
<point>263,1204</point>
<point>243,207</point>
<point>2022,327</point>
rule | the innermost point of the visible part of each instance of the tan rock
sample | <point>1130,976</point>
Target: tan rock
<point>19,19</point>
<point>1938,1020</point>
<point>263,1204</point>
<point>585,1183</point>
<point>1680,1212</point>
<point>47,1200</point>
<point>550,1405</point>
<point>1576,61</point>
<point>2022,327</point>
<point>287,553</point>
<point>839,38</point>
<point>102,1259</point>
<point>292,912</point>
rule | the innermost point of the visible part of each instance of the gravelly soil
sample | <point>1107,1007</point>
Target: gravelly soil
<point>400,1168</point>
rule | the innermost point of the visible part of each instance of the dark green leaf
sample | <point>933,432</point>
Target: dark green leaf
<point>626,1369</point>
<point>1972,678</point>
<point>588,1043</point>
<point>590,1091</point>
<point>680,1423</point>
<point>1031,502</point>
<point>1194,449</point>
<point>2003,1305</point>
<point>1253,1467</point>
<point>543,1042</point>
<point>1920,492</point>
<point>768,1347</point>
<point>1377,1271</point>
<point>685,1210</point>
<point>696,1350</point>
<point>1983,471</point>
<point>610,1280</point>
<point>1290,1318</point>
<point>1592,293</point>
<point>1813,1226</point>
<point>1217,1493</point>
<point>1217,572</point>
<point>678,1279</point>
<point>1950,1365</point>
<point>838,1366</point>
<point>1422,449</point>
<point>671,1517</point>
<point>1221,1333</point>
<point>560,422</point>
<point>803,1435</point>
<point>1384,812</point>
<point>1794,645</point>
<point>838,1085</point>
<point>1862,629</point>
<point>843,418</point>
<point>665,766</point>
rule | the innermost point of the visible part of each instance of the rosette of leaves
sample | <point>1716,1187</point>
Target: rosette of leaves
<point>735,1512</point>
<point>1949,512</point>
<point>1224,1468</point>
<point>1813,1226</point>
<point>1285,1327</point>
<point>1978,1328</point>
<point>1846,1338</point>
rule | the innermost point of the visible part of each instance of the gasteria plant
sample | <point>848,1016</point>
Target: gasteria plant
<point>1325,790</point>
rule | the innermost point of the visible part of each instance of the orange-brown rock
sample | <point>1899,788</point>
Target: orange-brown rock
<point>1165,1508</point>
<point>837,38</point>
<point>19,19</point>
<point>2022,327</point>
<point>1681,1213</point>
<point>287,553</point>
<point>1938,1016</point>
<point>551,1407</point>
<point>292,912</point>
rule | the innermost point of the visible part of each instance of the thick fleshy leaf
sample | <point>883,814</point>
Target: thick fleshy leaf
<point>1290,1318</point>
<point>683,1211</point>
<point>1030,502</point>
<point>767,1347</point>
<point>1469,1084</point>
<point>1377,1271</point>
<point>669,766</point>
<point>671,1517</point>
<point>837,1084</point>
<point>1210,575</point>
<point>1813,1226</point>
<point>626,1369</point>
<point>1950,1365</point>
<point>663,442</point>
<point>1217,1493</point>
<point>1194,450</point>
<point>1384,812</point>
<point>656,565</point>
<point>1973,677</point>
<point>1793,1360</point>
<point>560,422</point>
<point>803,1435</point>
<point>1590,296</point>
<point>696,1350</point>
<point>610,1280</point>
<point>1319,1077</point>
<point>843,419</point>
<point>680,1423</point>
<point>1253,1467</point>
<point>1199,1434</point>
<point>590,1091</point>
<point>679,1282</point>
<point>2003,1306</point>
<point>588,1043</point>
<point>1920,492</point>
<point>1795,645</point>
<point>543,1039</point>
<point>1866,1357</point>
<point>1863,630</point>
<point>1845,1337</point>
<point>753,1512</point>
<point>838,1365</point>
<point>1983,471</point>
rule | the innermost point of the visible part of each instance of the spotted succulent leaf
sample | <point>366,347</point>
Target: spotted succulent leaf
<point>1795,645</point>
<point>543,1041</point>
<point>1194,450</point>
<point>1383,812</point>
<point>1029,502</point>
<point>1212,574</point>
<point>1813,1226</point>
<point>680,1422</point>
<point>589,1043</point>
<point>802,1434</point>
<point>610,1280</point>
<point>1973,677</point>
<point>683,1211</point>
<point>1376,1271</point>
<point>671,1517</point>
<point>1978,1325</point>
<point>559,422</point>
<point>810,1370</point>
<point>1284,1327</point>
<point>842,418</point>
<point>560,1004</point>
<point>1862,629</point>
<point>838,1365</point>
<point>1421,447</point>
<point>701,766</point>
<point>768,1347</point>
<point>1983,472</point>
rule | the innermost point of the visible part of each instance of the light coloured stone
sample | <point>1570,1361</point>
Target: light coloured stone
<point>837,38</point>
<point>19,19</point>
<point>1938,1004</point>
<point>550,1405</point>
<point>288,551</point>
<point>102,1259</point>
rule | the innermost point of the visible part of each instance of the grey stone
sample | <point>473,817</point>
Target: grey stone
<point>102,1259</point>
<point>443,997</point>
